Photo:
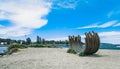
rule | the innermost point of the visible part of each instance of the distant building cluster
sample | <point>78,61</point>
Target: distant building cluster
<point>28,40</point>
<point>3,43</point>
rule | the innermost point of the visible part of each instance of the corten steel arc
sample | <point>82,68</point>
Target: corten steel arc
<point>92,43</point>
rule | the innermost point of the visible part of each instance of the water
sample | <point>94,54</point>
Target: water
<point>62,46</point>
<point>118,46</point>
<point>3,48</point>
<point>109,46</point>
<point>102,46</point>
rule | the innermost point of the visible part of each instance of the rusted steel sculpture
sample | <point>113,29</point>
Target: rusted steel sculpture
<point>92,43</point>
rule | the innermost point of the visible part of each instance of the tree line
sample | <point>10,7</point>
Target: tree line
<point>39,40</point>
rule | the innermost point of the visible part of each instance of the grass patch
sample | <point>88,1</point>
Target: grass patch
<point>82,54</point>
<point>71,51</point>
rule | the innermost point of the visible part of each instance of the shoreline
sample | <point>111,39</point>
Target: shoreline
<point>57,58</point>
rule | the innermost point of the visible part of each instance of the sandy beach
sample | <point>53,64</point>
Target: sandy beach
<point>56,58</point>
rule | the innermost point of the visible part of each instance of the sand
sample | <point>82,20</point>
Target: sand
<point>56,58</point>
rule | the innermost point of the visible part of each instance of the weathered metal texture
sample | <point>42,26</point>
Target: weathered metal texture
<point>75,43</point>
<point>92,43</point>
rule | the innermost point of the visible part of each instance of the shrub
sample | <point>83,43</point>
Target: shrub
<point>81,54</point>
<point>13,50</point>
<point>42,45</point>
<point>37,45</point>
<point>71,51</point>
<point>15,47</point>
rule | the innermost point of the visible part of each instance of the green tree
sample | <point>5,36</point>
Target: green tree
<point>23,42</point>
<point>19,41</point>
<point>13,41</point>
<point>43,41</point>
<point>28,40</point>
<point>66,42</point>
<point>8,41</point>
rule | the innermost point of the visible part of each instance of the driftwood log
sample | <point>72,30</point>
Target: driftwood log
<point>92,43</point>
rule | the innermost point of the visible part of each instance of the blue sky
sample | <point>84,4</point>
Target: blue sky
<point>53,19</point>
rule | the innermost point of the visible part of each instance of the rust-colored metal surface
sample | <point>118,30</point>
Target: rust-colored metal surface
<point>92,43</point>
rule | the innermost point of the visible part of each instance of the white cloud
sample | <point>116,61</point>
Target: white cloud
<point>27,15</point>
<point>89,26</point>
<point>110,37</point>
<point>60,38</point>
<point>108,24</point>
<point>66,38</point>
<point>118,24</point>
<point>24,15</point>
<point>71,4</point>
<point>15,31</point>
<point>96,25</point>
<point>111,33</point>
<point>105,37</point>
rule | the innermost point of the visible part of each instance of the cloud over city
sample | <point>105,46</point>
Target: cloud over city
<point>27,15</point>
<point>24,16</point>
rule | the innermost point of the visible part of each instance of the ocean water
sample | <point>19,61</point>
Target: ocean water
<point>110,47</point>
<point>2,48</point>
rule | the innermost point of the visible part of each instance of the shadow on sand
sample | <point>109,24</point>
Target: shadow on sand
<point>96,55</point>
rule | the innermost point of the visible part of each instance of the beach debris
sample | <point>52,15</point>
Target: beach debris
<point>91,46</point>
